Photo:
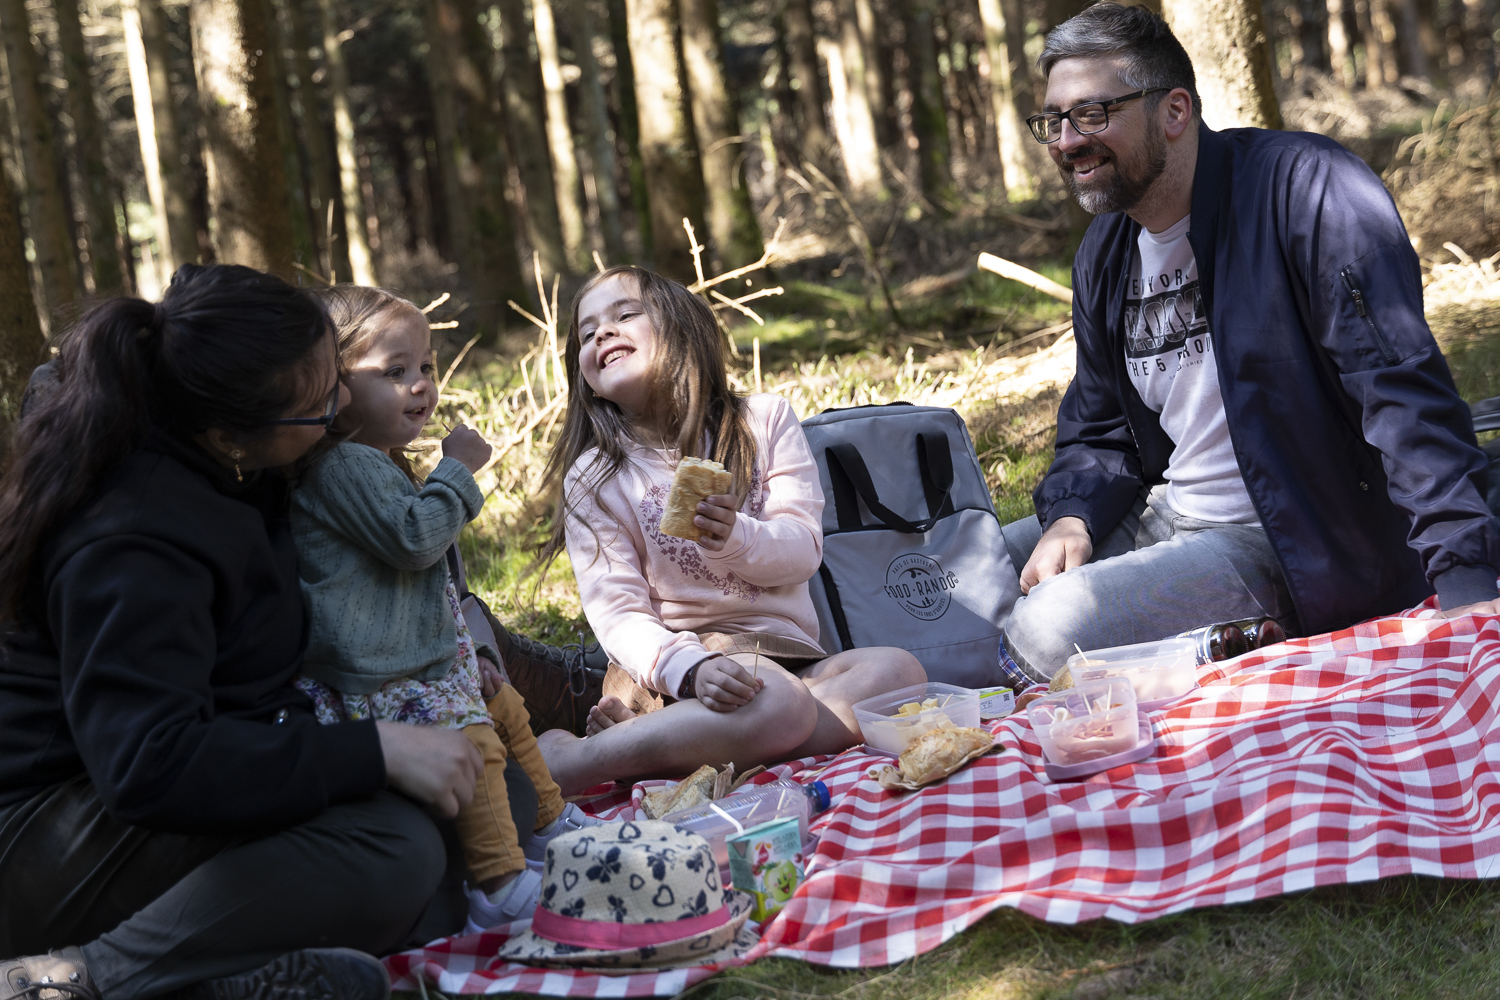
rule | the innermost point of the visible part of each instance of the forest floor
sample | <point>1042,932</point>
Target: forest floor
<point>963,345</point>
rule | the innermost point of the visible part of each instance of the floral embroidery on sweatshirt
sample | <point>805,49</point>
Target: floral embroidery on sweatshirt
<point>688,555</point>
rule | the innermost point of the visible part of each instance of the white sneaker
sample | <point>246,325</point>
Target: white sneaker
<point>572,818</point>
<point>516,901</point>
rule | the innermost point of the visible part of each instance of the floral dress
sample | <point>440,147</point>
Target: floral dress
<point>453,701</point>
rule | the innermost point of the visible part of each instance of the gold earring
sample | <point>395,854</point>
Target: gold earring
<point>235,456</point>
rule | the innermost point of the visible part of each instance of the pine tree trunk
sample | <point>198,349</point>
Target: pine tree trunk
<point>596,125</point>
<point>49,223</point>
<point>22,346</point>
<point>145,128</point>
<point>474,167</point>
<point>361,261</point>
<point>524,113</point>
<point>856,124</point>
<point>1018,172</point>
<point>629,121</point>
<point>1312,31</point>
<point>566,179</point>
<point>807,82</point>
<point>674,183</point>
<point>177,232</point>
<point>1383,28</point>
<point>298,210</point>
<point>928,122</point>
<point>322,194</point>
<point>875,70</point>
<point>99,203</point>
<point>242,150</point>
<point>1227,43</point>
<point>1479,21</point>
<point>716,123</point>
<point>1340,53</point>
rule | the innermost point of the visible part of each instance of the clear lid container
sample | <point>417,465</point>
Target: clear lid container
<point>890,721</point>
<point>1088,722</point>
<point>1158,671</point>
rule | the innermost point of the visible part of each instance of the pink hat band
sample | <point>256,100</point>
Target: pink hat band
<point>607,935</point>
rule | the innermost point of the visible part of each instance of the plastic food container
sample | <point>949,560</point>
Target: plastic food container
<point>1091,727</point>
<point>887,731</point>
<point>1160,672</point>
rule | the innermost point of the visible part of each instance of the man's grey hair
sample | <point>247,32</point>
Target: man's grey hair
<point>1153,55</point>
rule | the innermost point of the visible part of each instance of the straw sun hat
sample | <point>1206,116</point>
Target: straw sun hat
<point>634,895</point>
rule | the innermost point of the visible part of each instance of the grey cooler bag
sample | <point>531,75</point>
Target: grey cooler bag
<point>912,550</point>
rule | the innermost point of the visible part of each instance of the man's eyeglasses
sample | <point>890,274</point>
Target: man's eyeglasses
<point>330,411</point>
<point>1086,118</point>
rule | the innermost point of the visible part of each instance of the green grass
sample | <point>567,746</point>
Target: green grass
<point>1403,938</point>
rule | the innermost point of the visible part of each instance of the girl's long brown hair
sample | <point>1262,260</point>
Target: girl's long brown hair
<point>690,396</point>
<point>359,313</point>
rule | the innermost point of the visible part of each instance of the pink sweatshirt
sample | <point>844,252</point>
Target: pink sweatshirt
<point>646,594</point>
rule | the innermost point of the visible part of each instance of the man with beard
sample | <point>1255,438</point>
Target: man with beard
<point>1261,423</point>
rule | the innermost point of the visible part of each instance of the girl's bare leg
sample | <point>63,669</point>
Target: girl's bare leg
<point>684,736</point>
<point>845,678</point>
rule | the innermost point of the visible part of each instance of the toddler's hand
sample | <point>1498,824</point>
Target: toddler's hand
<point>715,520</point>
<point>724,685</point>
<point>468,446</point>
<point>490,677</point>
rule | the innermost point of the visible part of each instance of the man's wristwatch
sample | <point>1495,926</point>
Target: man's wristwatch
<point>686,690</point>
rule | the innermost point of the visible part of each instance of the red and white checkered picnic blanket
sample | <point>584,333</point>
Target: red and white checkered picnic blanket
<point>1342,758</point>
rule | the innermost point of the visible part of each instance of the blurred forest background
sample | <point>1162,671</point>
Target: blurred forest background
<point>845,160</point>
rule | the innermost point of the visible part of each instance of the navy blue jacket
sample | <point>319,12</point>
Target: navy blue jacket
<point>1356,450</point>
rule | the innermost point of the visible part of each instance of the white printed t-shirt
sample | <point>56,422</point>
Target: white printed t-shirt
<point>1169,354</point>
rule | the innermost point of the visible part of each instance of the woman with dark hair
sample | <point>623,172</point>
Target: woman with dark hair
<point>173,819</point>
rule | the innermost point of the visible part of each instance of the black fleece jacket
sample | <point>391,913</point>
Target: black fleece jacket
<point>173,627</point>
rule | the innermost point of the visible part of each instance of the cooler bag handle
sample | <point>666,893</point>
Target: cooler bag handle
<point>850,477</point>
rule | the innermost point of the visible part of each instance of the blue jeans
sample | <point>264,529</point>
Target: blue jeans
<point>1156,574</point>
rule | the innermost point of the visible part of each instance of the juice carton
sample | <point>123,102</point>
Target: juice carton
<point>766,862</point>
<point>996,702</point>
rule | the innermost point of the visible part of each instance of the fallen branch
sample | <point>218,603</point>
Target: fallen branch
<point>1026,276</point>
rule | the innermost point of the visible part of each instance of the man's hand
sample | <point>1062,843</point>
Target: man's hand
<point>1482,608</point>
<point>1062,546</point>
<point>715,520</point>
<point>468,446</point>
<point>724,685</point>
<point>437,767</point>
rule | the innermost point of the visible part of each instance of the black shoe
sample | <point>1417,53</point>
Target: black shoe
<point>310,974</point>
<point>520,652</point>
<point>57,975</point>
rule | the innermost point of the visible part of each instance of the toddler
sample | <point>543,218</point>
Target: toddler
<point>388,639</point>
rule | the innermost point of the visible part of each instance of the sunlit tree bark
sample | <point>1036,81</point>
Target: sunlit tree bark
<point>156,120</point>
<point>596,124</point>
<point>1018,172</point>
<point>853,116</point>
<point>716,123</point>
<point>874,69</point>
<point>361,261</point>
<point>525,116</point>
<point>674,185</point>
<point>566,179</point>
<point>49,226</point>
<point>1340,54</point>
<point>242,143</point>
<point>1232,60</point>
<point>807,82</point>
<point>98,197</point>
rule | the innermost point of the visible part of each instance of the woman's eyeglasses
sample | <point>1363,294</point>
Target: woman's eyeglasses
<point>1086,118</point>
<point>330,411</point>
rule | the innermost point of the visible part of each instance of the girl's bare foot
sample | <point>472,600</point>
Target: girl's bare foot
<point>608,712</point>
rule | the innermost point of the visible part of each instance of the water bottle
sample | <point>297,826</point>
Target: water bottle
<point>717,821</point>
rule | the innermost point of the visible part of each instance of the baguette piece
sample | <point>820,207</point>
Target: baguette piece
<point>696,789</point>
<point>694,480</point>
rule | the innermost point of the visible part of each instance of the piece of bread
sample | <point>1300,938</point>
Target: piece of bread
<point>695,480</point>
<point>941,752</point>
<point>694,790</point>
